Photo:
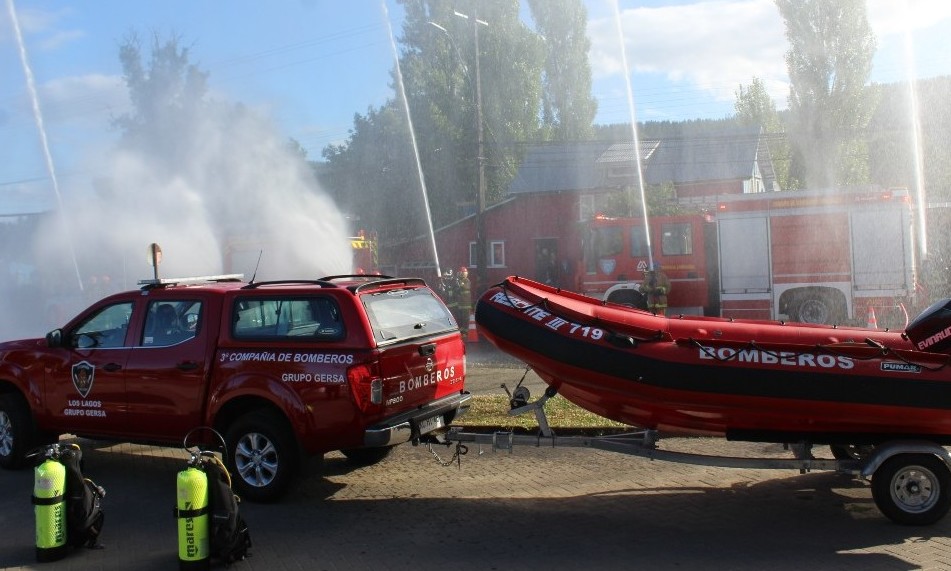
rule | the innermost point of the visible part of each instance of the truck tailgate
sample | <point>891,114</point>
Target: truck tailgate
<point>417,372</point>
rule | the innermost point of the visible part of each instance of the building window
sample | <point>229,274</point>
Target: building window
<point>495,256</point>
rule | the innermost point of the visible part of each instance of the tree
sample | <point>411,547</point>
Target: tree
<point>438,65</point>
<point>754,107</point>
<point>829,60</point>
<point>568,108</point>
<point>372,178</point>
<point>167,96</point>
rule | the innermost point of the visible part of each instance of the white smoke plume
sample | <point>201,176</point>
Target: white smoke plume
<point>216,192</point>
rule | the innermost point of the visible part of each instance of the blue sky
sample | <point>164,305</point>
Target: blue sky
<point>310,65</point>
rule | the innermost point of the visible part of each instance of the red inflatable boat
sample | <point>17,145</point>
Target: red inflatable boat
<point>748,380</point>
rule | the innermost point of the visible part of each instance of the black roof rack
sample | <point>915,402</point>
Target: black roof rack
<point>320,282</point>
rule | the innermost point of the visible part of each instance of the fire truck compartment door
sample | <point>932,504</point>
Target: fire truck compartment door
<point>744,255</point>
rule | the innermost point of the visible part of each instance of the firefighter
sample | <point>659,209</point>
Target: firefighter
<point>656,286</point>
<point>465,297</point>
<point>448,287</point>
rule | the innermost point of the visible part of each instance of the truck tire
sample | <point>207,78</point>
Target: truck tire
<point>16,432</point>
<point>366,456</point>
<point>263,456</point>
<point>912,489</point>
<point>813,309</point>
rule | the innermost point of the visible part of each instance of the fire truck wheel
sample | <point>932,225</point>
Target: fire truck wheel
<point>912,489</point>
<point>813,310</point>
<point>16,431</point>
<point>366,456</point>
<point>263,456</point>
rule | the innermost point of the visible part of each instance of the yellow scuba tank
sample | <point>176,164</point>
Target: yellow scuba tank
<point>49,500</point>
<point>192,514</point>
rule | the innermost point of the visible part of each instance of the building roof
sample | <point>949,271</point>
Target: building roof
<point>600,165</point>
<point>724,156</point>
<point>560,167</point>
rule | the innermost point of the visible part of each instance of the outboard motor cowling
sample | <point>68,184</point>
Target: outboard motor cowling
<point>931,331</point>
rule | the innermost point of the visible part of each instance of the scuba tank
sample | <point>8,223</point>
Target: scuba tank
<point>191,510</point>
<point>209,525</point>
<point>67,506</point>
<point>49,501</point>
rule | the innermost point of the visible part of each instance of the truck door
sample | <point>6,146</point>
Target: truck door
<point>86,389</point>
<point>744,255</point>
<point>166,375</point>
<point>744,267</point>
<point>879,246</point>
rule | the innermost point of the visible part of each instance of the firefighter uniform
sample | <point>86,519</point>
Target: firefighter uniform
<point>655,287</point>
<point>465,297</point>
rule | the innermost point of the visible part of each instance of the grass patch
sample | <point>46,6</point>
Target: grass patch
<point>492,411</point>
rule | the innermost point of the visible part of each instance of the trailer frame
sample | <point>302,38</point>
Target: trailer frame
<point>910,479</point>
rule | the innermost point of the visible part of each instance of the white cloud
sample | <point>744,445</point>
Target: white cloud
<point>713,46</point>
<point>41,27</point>
<point>893,17</point>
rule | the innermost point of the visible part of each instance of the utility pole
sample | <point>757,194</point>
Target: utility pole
<point>481,249</point>
<point>481,275</point>
<point>482,272</point>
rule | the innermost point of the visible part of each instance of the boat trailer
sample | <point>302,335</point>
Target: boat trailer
<point>910,479</point>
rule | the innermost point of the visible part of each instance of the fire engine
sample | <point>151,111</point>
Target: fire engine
<point>808,256</point>
<point>241,255</point>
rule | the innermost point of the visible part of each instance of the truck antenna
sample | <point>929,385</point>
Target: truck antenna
<point>260,254</point>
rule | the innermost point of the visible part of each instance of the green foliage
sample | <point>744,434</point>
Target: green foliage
<point>891,131</point>
<point>656,130</point>
<point>167,95</point>
<point>568,108</point>
<point>754,107</point>
<point>661,201</point>
<point>829,60</point>
<point>518,71</point>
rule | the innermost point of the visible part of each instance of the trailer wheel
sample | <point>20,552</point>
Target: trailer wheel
<point>263,456</point>
<point>912,489</point>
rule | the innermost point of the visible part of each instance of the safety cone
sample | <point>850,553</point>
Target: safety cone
<point>473,334</point>
<point>872,322</point>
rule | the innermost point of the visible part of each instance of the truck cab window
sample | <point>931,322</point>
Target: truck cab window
<point>171,321</point>
<point>105,329</point>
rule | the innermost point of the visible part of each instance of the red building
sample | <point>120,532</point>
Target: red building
<point>536,230</point>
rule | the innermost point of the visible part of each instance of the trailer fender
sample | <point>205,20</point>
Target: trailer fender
<point>885,451</point>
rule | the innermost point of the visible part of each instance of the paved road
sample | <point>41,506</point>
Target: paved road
<point>534,508</point>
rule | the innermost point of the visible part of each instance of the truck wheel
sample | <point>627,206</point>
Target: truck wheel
<point>263,456</point>
<point>814,309</point>
<point>367,456</point>
<point>912,489</point>
<point>16,432</point>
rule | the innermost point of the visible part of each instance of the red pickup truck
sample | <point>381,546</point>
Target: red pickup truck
<point>282,369</point>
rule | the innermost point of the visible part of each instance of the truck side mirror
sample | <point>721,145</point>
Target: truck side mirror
<point>54,338</point>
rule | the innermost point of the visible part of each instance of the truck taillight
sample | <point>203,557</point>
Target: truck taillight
<point>366,385</point>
